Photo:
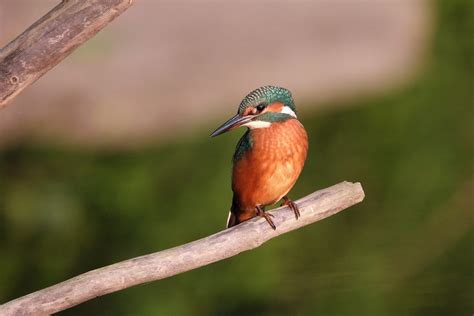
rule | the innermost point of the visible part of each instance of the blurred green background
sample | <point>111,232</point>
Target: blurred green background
<point>406,250</point>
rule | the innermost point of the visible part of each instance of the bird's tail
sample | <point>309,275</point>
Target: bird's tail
<point>231,220</point>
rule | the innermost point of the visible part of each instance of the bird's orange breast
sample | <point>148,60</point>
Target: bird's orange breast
<point>270,168</point>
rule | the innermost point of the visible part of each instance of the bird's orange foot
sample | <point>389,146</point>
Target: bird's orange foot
<point>268,217</point>
<point>292,206</point>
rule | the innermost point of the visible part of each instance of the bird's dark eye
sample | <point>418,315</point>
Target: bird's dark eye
<point>261,107</point>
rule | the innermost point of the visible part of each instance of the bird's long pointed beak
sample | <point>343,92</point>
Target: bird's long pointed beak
<point>232,123</point>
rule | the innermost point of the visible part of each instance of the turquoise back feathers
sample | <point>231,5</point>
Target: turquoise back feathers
<point>245,143</point>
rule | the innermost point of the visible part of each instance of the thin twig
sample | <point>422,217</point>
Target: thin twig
<point>50,39</point>
<point>166,263</point>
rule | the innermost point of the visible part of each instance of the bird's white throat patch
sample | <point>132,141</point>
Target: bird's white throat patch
<point>257,124</point>
<point>288,110</point>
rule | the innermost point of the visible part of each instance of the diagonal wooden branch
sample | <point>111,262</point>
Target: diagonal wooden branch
<point>166,263</point>
<point>50,39</point>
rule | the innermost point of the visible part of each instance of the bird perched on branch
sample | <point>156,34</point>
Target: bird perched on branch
<point>270,155</point>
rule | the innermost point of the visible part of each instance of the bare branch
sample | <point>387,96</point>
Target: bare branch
<point>50,39</point>
<point>166,263</point>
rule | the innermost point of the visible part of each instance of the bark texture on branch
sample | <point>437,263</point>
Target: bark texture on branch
<point>169,262</point>
<point>50,39</point>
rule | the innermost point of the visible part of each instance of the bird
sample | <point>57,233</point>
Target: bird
<point>269,157</point>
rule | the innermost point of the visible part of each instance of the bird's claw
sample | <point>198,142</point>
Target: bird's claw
<point>292,205</point>
<point>267,216</point>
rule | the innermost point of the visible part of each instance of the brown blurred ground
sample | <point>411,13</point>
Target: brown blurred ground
<point>168,65</point>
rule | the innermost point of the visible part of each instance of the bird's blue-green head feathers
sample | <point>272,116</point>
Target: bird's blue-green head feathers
<point>265,96</point>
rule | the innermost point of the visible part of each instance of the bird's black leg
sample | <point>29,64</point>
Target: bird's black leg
<point>261,212</point>
<point>292,205</point>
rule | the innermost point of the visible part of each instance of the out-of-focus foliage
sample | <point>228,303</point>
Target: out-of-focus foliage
<point>406,250</point>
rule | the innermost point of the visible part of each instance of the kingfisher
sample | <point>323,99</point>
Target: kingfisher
<point>270,155</point>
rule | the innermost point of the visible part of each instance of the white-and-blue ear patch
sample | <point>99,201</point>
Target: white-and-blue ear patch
<point>287,110</point>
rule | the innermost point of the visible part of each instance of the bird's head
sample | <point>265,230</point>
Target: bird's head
<point>260,108</point>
